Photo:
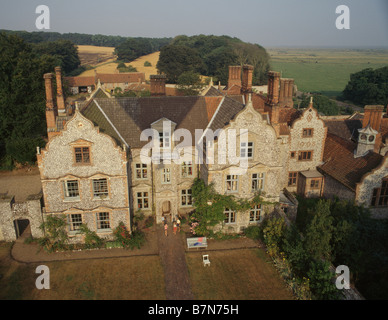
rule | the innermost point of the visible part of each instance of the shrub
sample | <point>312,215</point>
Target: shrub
<point>147,64</point>
<point>321,281</point>
<point>253,232</point>
<point>56,236</point>
<point>92,240</point>
<point>127,240</point>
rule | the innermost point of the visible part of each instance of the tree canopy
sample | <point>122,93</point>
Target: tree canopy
<point>212,56</point>
<point>323,104</point>
<point>368,87</point>
<point>22,99</point>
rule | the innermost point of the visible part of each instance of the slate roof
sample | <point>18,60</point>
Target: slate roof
<point>346,129</point>
<point>230,108</point>
<point>130,116</point>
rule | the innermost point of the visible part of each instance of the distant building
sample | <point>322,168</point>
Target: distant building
<point>109,82</point>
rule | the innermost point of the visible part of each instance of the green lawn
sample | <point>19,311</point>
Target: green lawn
<point>245,274</point>
<point>132,278</point>
<point>324,70</point>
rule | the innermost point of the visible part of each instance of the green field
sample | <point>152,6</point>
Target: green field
<point>324,70</point>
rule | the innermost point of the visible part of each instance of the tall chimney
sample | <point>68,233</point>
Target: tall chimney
<point>247,79</point>
<point>273,87</point>
<point>51,112</point>
<point>158,85</point>
<point>290,95</point>
<point>60,97</point>
<point>282,97</point>
<point>234,76</point>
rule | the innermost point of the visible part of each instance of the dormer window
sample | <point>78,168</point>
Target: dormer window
<point>164,140</point>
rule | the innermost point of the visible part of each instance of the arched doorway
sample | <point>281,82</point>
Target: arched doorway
<point>22,228</point>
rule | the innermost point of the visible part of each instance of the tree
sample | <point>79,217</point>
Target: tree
<point>176,59</point>
<point>22,99</point>
<point>190,83</point>
<point>65,52</point>
<point>319,232</point>
<point>219,52</point>
<point>321,281</point>
<point>323,104</point>
<point>368,87</point>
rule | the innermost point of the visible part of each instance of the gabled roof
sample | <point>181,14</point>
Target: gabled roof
<point>80,81</point>
<point>128,77</point>
<point>346,129</point>
<point>228,110</point>
<point>130,116</point>
<point>340,163</point>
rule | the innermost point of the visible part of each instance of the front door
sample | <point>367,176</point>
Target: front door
<point>166,210</point>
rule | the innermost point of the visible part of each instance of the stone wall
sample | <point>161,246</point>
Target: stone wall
<point>298,143</point>
<point>10,211</point>
<point>333,188</point>
<point>269,158</point>
<point>107,161</point>
<point>365,188</point>
<point>160,192</point>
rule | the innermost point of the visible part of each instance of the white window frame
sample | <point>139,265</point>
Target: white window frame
<point>245,149</point>
<point>185,168</point>
<point>230,216</point>
<point>164,140</point>
<point>74,223</point>
<point>140,168</point>
<point>67,190</point>
<point>103,223</point>
<point>232,181</point>
<point>166,176</point>
<point>142,199</point>
<point>256,211</point>
<point>186,198</point>
<point>97,193</point>
<point>257,181</point>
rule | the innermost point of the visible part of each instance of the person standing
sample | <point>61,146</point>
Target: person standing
<point>165,229</point>
<point>178,224</point>
<point>174,227</point>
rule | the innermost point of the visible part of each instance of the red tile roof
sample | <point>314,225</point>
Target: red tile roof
<point>340,164</point>
<point>80,81</point>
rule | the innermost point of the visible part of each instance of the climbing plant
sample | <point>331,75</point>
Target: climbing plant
<point>54,228</point>
<point>210,206</point>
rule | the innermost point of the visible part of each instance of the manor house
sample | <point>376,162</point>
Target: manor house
<point>93,168</point>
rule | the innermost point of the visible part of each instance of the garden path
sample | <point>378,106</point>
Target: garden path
<point>172,255</point>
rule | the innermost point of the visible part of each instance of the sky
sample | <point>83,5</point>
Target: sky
<point>270,23</point>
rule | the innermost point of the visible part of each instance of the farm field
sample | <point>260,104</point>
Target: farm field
<point>324,70</point>
<point>104,61</point>
<point>93,55</point>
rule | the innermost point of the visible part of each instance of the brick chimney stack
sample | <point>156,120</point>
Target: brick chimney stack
<point>247,79</point>
<point>158,85</point>
<point>234,76</point>
<point>60,97</point>
<point>273,87</point>
<point>51,112</point>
